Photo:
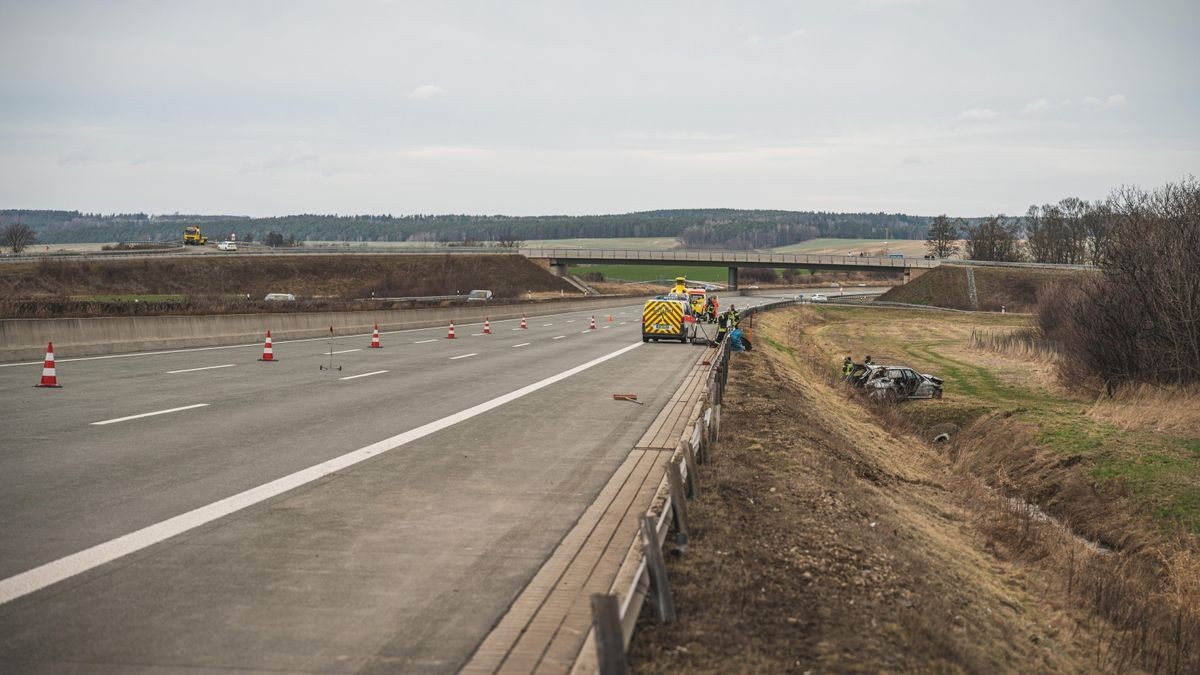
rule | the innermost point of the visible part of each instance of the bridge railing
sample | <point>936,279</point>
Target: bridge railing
<point>723,258</point>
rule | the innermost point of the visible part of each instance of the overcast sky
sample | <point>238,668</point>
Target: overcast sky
<point>270,108</point>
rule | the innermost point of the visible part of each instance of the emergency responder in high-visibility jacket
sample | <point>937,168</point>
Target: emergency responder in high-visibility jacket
<point>722,326</point>
<point>680,286</point>
<point>847,366</point>
<point>734,317</point>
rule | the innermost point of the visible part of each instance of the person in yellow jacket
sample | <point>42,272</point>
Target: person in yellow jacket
<point>680,286</point>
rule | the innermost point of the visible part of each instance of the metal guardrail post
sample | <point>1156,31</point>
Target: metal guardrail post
<point>693,476</point>
<point>678,504</point>
<point>664,604</point>
<point>610,643</point>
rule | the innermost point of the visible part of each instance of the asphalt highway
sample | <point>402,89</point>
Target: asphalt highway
<point>205,511</point>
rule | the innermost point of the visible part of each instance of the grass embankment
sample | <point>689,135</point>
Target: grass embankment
<point>1064,451</point>
<point>1015,289</point>
<point>213,284</point>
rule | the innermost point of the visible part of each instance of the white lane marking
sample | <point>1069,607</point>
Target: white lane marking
<point>354,377</point>
<point>523,344</point>
<point>192,370</point>
<point>64,568</point>
<point>624,322</point>
<point>547,324</point>
<point>149,414</point>
<point>570,320</point>
<point>606,326</point>
<point>463,356</point>
<point>421,342</point>
<point>558,337</point>
<point>476,334</point>
<point>346,351</point>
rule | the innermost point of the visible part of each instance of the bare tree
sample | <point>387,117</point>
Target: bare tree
<point>943,236</point>
<point>994,239</point>
<point>17,236</point>
<point>1139,319</point>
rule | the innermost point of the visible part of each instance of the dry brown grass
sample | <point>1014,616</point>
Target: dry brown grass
<point>1151,408</point>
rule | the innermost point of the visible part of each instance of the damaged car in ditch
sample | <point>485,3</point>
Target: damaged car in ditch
<point>894,383</point>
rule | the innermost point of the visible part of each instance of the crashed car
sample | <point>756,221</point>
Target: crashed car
<point>894,383</point>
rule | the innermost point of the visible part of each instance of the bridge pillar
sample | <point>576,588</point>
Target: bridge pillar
<point>911,273</point>
<point>558,269</point>
<point>733,278</point>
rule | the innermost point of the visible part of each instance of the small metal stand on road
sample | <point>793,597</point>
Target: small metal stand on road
<point>331,366</point>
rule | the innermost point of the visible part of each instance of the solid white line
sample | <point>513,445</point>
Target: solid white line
<point>77,563</point>
<point>353,377</point>
<point>192,370</point>
<point>347,351</point>
<point>150,414</point>
<point>463,356</point>
<point>558,337</point>
<point>421,342</point>
<point>523,344</point>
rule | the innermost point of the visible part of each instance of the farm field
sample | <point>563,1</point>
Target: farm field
<point>653,272</point>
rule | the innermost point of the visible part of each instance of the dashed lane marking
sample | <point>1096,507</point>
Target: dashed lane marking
<point>558,337</point>
<point>463,356</point>
<point>421,342</point>
<point>523,344</point>
<point>192,370</point>
<point>355,377</point>
<point>347,351</point>
<point>149,414</point>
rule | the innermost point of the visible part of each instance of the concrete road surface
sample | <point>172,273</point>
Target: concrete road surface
<point>203,511</point>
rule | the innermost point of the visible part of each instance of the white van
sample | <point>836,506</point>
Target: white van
<point>280,296</point>
<point>227,246</point>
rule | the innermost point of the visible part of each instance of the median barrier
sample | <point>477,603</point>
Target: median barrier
<point>23,339</point>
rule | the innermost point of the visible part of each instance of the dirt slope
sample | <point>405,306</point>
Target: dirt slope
<point>333,276</point>
<point>823,543</point>
<point>1014,288</point>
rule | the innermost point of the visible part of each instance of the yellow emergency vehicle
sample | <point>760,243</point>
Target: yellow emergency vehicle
<point>668,318</point>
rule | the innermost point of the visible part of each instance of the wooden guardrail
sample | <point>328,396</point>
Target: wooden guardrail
<point>643,575</point>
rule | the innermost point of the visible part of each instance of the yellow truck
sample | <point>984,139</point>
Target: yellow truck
<point>668,319</point>
<point>192,236</point>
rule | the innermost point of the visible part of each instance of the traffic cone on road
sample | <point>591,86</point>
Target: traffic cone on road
<point>592,323</point>
<point>487,326</point>
<point>450,335</point>
<point>375,339</point>
<point>268,351</point>
<point>610,318</point>
<point>523,324</point>
<point>49,377</point>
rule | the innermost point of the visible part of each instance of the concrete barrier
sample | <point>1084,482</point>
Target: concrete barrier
<point>25,339</point>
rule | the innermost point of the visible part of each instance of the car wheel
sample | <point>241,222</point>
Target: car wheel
<point>645,339</point>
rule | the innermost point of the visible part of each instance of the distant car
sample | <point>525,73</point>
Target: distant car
<point>226,246</point>
<point>752,288</point>
<point>894,383</point>
<point>819,297</point>
<point>862,285</point>
<point>280,296</point>
<point>479,296</point>
<point>834,285</point>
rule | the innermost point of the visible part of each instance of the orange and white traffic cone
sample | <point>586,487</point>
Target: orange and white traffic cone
<point>268,351</point>
<point>487,326</point>
<point>49,377</point>
<point>450,335</point>
<point>523,324</point>
<point>610,318</point>
<point>375,339</point>
<point>592,323</point>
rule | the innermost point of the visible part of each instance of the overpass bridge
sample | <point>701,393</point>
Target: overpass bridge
<point>560,258</point>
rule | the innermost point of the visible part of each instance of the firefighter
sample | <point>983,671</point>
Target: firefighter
<point>734,317</point>
<point>722,326</point>
<point>680,287</point>
<point>847,366</point>
<point>867,361</point>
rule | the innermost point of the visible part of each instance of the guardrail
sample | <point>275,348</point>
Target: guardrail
<point>1028,265</point>
<point>643,574</point>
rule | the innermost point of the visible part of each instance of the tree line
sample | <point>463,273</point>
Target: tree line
<point>697,228</point>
